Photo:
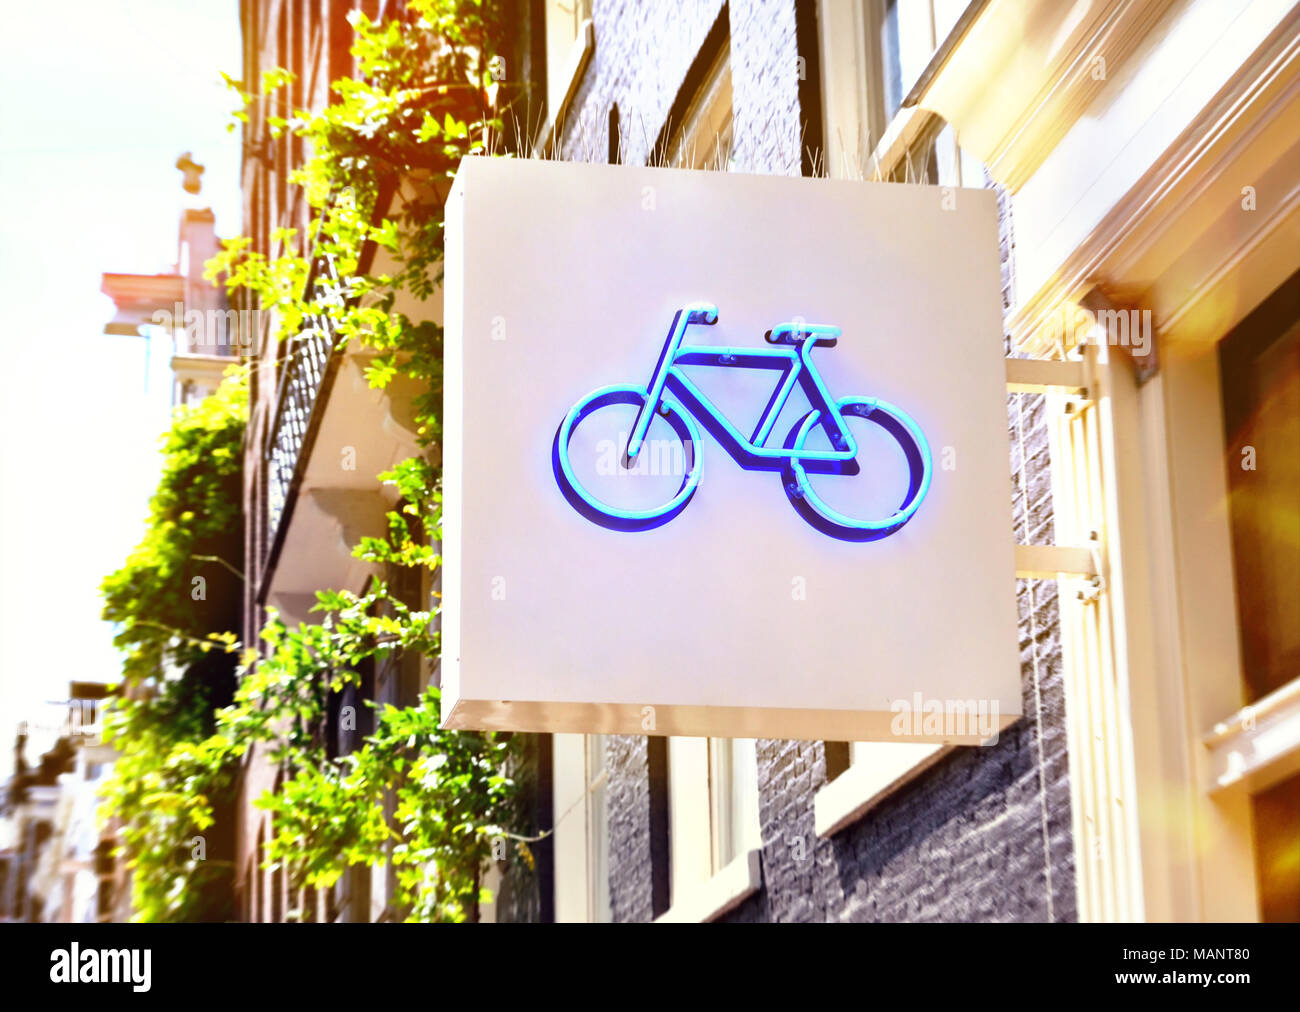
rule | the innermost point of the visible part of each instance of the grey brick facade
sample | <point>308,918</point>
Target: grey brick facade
<point>986,833</point>
<point>628,807</point>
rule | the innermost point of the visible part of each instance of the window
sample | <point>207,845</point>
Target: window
<point>1261,405</point>
<point>872,53</point>
<point>614,132</point>
<point>891,70</point>
<point>733,799</point>
<point>564,19</point>
<point>566,51</point>
<point>713,825</point>
<point>597,831</point>
<point>1260,387</point>
<point>581,845</point>
<point>282,110</point>
<point>875,770</point>
<point>697,131</point>
<point>703,139</point>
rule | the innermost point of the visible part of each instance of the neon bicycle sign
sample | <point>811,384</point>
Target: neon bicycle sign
<point>790,351</point>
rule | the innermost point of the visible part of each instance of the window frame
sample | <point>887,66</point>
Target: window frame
<point>568,52</point>
<point>707,879</point>
<point>581,828</point>
<point>712,111</point>
<point>863,139</point>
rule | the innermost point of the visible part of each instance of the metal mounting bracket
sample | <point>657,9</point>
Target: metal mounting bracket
<point>1052,562</point>
<point>1039,375</point>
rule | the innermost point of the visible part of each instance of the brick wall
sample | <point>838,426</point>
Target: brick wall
<point>627,800</point>
<point>985,834</point>
<point>643,52</point>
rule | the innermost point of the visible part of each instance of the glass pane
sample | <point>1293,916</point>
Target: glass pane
<point>722,796</point>
<point>891,67</point>
<point>704,138</point>
<point>748,827</point>
<point>1261,400</point>
<point>597,832</point>
<point>1259,364</point>
<point>1277,842</point>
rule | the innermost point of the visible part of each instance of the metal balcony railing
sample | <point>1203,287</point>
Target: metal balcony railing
<point>302,371</point>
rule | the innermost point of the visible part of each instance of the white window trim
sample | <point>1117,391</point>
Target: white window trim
<point>576,895</point>
<point>865,784</point>
<point>846,105</point>
<point>853,106</point>
<point>574,67</point>
<point>704,136</point>
<point>725,891</point>
<point>1259,745</point>
<point>898,139</point>
<point>693,810</point>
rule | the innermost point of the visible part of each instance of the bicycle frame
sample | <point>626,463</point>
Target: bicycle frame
<point>792,353</point>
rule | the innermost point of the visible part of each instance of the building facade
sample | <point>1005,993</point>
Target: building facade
<point>56,860</point>
<point>207,335</point>
<point>1144,156</point>
<point>310,408</point>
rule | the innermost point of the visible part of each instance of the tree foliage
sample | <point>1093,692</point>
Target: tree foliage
<point>435,806</point>
<point>175,604</point>
<point>162,614</point>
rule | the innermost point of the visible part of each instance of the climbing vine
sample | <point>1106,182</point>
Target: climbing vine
<point>433,805</point>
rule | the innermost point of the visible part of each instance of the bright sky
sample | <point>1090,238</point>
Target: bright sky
<point>97,100</point>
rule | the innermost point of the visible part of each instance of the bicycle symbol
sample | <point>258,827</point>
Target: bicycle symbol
<point>791,352</point>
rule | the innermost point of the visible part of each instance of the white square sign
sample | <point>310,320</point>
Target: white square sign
<point>724,455</point>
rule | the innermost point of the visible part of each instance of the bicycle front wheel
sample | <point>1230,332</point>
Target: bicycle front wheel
<point>607,514</point>
<point>814,508</point>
